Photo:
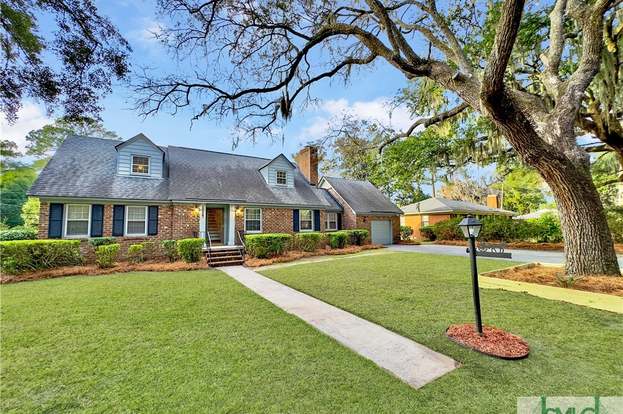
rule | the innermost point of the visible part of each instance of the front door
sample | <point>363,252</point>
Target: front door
<point>215,225</point>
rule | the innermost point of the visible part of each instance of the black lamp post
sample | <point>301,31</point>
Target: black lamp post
<point>471,229</point>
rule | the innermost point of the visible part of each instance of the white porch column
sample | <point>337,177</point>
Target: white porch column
<point>231,239</point>
<point>202,221</point>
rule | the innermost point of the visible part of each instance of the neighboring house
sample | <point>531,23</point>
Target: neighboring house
<point>137,190</point>
<point>433,210</point>
<point>537,214</point>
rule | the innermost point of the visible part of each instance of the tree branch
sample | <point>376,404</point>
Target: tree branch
<point>426,122</point>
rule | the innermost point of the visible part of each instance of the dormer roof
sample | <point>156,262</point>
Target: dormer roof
<point>137,137</point>
<point>275,159</point>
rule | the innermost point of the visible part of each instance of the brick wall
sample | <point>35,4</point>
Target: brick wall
<point>274,220</point>
<point>349,218</point>
<point>44,220</point>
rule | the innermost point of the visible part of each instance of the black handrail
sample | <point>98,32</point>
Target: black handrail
<point>209,239</point>
<point>241,238</point>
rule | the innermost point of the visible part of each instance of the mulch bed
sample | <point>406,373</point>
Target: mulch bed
<point>554,276</point>
<point>93,270</point>
<point>296,255</point>
<point>416,242</point>
<point>493,342</point>
<point>522,245</point>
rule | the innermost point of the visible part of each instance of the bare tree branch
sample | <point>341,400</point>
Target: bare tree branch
<point>426,122</point>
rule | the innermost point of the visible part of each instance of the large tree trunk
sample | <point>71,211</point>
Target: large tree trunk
<point>589,248</point>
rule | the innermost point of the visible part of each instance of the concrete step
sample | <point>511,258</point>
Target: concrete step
<point>227,263</point>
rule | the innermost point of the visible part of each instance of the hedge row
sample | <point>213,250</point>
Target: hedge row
<point>545,229</point>
<point>29,255</point>
<point>274,244</point>
<point>18,233</point>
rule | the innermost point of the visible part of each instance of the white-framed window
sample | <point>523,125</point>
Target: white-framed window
<point>306,220</point>
<point>77,220</point>
<point>136,220</point>
<point>282,177</point>
<point>140,164</point>
<point>253,220</point>
<point>331,221</point>
<point>425,220</point>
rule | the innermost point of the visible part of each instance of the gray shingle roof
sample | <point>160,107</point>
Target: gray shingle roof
<point>362,196</point>
<point>86,167</point>
<point>443,205</point>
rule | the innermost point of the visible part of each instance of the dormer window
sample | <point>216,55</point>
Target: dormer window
<point>282,177</point>
<point>140,165</point>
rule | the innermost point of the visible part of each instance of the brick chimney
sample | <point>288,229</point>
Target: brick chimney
<point>307,161</point>
<point>493,201</point>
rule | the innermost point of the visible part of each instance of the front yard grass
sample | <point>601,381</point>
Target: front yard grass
<point>175,342</point>
<point>574,350</point>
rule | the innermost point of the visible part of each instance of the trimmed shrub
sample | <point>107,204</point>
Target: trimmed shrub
<point>150,250</point>
<point>18,233</point>
<point>190,249</point>
<point>106,255</point>
<point>615,222</point>
<point>136,253</point>
<point>95,242</point>
<point>545,229</point>
<point>267,245</point>
<point>448,229</point>
<point>500,228</point>
<point>308,242</point>
<point>338,239</point>
<point>19,256</point>
<point>405,232</point>
<point>358,236</point>
<point>170,250</point>
<point>428,233</point>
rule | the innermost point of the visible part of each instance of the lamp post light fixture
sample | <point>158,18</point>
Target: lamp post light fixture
<point>471,229</point>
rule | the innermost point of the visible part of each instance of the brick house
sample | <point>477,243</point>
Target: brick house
<point>136,190</point>
<point>436,209</point>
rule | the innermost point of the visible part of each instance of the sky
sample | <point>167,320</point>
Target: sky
<point>366,96</point>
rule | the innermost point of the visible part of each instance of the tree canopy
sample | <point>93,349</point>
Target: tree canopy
<point>69,66</point>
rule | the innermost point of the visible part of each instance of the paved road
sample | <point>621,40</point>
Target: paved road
<point>518,255</point>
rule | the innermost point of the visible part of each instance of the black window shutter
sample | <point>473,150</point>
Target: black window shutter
<point>55,222</point>
<point>152,220</point>
<point>295,220</point>
<point>316,220</point>
<point>97,220</point>
<point>339,221</point>
<point>118,213</point>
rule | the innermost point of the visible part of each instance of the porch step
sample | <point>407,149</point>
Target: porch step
<point>224,257</point>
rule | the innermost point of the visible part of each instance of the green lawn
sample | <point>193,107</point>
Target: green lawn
<point>574,350</point>
<point>175,342</point>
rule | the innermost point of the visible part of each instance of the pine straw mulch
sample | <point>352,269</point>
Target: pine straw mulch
<point>296,255</point>
<point>494,342</point>
<point>93,270</point>
<point>618,247</point>
<point>554,276</point>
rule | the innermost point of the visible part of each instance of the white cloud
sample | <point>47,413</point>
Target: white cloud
<point>30,117</point>
<point>146,34</point>
<point>377,110</point>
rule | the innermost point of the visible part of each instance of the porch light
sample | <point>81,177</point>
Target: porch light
<point>471,227</point>
<point>195,212</point>
<point>239,212</point>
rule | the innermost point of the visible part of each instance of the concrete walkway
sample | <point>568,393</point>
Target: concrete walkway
<point>411,362</point>
<point>518,255</point>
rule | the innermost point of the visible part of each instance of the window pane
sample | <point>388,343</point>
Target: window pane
<point>305,214</point>
<point>253,213</point>
<point>77,228</point>
<point>253,225</point>
<point>281,177</point>
<point>140,165</point>
<point>77,212</point>
<point>136,213</point>
<point>136,227</point>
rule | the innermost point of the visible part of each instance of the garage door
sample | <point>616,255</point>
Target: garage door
<point>381,232</point>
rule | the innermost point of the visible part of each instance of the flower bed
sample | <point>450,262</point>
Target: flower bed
<point>94,270</point>
<point>554,276</point>
<point>293,255</point>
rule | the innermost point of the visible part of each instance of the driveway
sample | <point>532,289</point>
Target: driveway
<point>518,255</point>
